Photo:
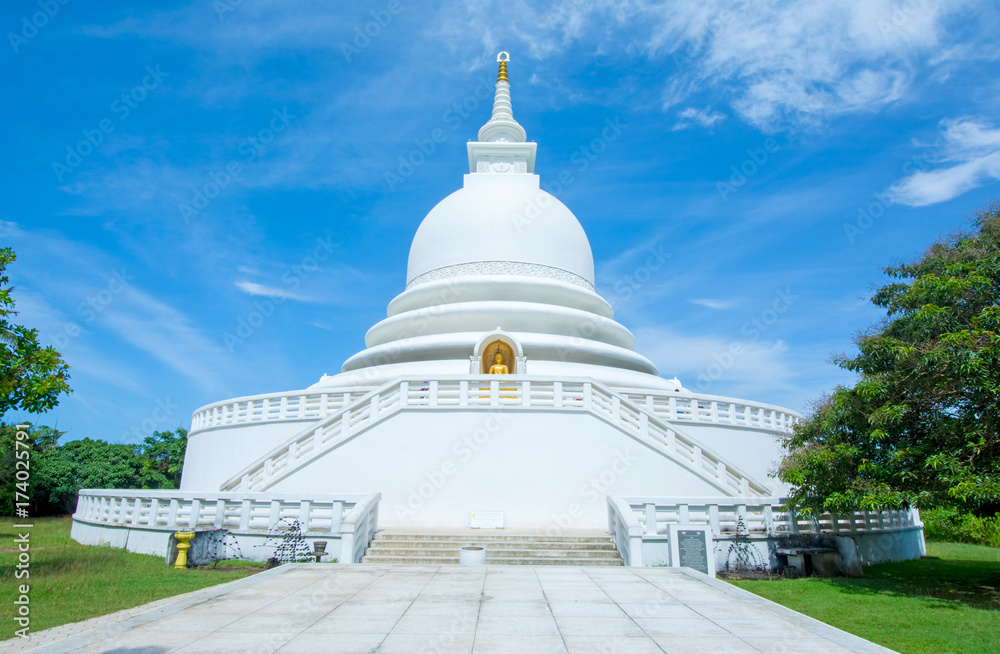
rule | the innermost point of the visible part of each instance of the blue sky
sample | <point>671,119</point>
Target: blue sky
<point>776,154</point>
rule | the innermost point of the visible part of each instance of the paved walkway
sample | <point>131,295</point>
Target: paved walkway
<point>478,609</point>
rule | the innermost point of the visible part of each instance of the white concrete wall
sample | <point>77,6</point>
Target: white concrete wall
<point>156,541</point>
<point>543,470</point>
<point>215,454</point>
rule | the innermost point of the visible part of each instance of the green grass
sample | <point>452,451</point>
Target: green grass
<point>948,604</point>
<point>71,582</point>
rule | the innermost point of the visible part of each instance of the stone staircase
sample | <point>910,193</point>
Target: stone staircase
<point>501,549</point>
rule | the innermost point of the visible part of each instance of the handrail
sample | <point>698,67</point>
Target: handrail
<point>488,392</point>
<point>674,407</point>
<point>359,527</point>
<point>626,532</point>
<point>763,516</point>
<point>173,510</point>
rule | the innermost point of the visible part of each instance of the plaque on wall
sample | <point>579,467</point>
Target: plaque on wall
<point>691,547</point>
<point>487,520</point>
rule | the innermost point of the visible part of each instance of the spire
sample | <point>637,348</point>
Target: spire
<point>502,127</point>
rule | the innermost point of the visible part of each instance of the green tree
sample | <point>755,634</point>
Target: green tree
<point>162,456</point>
<point>920,426</point>
<point>31,376</point>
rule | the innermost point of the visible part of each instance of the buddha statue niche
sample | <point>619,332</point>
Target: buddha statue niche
<point>498,368</point>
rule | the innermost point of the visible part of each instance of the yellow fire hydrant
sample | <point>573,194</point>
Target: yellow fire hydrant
<point>182,547</point>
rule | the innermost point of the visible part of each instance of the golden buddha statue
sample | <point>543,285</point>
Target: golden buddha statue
<point>498,368</point>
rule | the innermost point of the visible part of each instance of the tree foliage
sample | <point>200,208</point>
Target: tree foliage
<point>920,426</point>
<point>58,472</point>
<point>31,376</point>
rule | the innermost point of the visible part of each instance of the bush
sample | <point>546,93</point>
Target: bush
<point>949,524</point>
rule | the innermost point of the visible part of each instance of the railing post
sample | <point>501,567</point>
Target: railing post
<point>650,518</point>
<point>494,393</point>
<point>304,514</point>
<point>616,409</point>
<point>644,425</point>
<point>245,514</point>
<point>220,513</point>
<point>373,408</point>
<point>769,521</point>
<point>557,394</point>
<point>136,511</point>
<point>404,394</point>
<point>275,516</point>
<point>154,512</point>
<point>793,521</point>
<point>525,393</point>
<point>713,519</point>
<point>336,516</point>
<point>684,513</point>
<point>433,400</point>
<point>588,396</point>
<point>463,393</point>
<point>172,515</point>
<point>195,515</point>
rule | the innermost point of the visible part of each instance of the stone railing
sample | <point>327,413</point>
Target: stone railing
<point>300,405</point>
<point>489,393</point>
<point>764,516</point>
<point>626,532</point>
<point>351,517</point>
<point>294,405</point>
<point>641,527</point>
<point>714,410</point>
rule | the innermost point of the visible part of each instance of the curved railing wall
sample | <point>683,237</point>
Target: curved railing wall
<point>690,408</point>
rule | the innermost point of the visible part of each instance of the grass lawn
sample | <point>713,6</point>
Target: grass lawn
<point>71,582</point>
<point>948,604</point>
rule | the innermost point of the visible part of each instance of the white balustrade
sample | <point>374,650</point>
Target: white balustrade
<point>761,516</point>
<point>447,391</point>
<point>177,510</point>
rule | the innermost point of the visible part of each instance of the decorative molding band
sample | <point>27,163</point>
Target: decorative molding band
<point>514,268</point>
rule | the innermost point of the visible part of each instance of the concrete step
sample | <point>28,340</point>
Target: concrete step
<point>453,560</point>
<point>507,553</point>
<point>501,549</point>
<point>493,545</point>
<point>491,538</point>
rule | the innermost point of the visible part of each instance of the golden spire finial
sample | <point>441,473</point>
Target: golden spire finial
<point>502,75</point>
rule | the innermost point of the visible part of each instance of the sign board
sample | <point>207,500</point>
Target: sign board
<point>691,547</point>
<point>487,520</point>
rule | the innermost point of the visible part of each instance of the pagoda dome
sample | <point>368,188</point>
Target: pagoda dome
<point>501,224</point>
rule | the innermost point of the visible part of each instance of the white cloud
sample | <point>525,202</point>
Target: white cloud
<point>168,335</point>
<point>706,364</point>
<point>704,117</point>
<point>253,288</point>
<point>970,152</point>
<point>782,63</point>
<point>713,304</point>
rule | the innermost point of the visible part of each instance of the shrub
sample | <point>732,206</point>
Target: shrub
<point>949,524</point>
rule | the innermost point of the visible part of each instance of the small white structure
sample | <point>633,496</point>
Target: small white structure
<point>498,382</point>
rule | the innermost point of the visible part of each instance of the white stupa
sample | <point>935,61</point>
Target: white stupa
<point>499,392</point>
<point>499,271</point>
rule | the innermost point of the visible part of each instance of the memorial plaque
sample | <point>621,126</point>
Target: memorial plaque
<point>691,550</point>
<point>487,520</point>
